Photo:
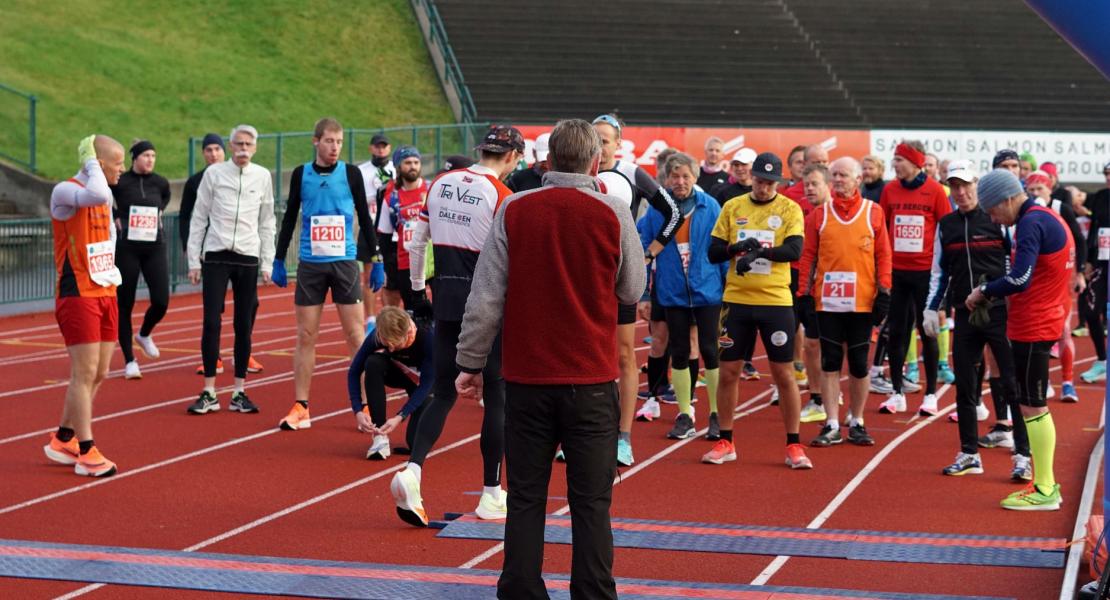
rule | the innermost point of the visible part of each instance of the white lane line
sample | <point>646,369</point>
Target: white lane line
<point>1086,502</point>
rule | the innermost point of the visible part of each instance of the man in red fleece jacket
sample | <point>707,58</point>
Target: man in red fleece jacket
<point>570,250</point>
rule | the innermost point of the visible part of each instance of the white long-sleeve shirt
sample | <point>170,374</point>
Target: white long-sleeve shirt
<point>91,189</point>
<point>234,212</point>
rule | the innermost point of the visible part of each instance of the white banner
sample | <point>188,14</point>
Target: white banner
<point>1079,157</point>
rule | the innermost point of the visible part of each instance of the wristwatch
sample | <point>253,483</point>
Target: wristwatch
<point>983,290</point>
<point>648,255</point>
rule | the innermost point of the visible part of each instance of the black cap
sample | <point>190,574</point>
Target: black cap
<point>767,166</point>
<point>211,138</point>
<point>457,161</point>
<point>1004,155</point>
<point>379,138</point>
<point>502,139</point>
<point>139,147</point>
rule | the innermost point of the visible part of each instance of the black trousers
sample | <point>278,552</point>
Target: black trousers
<point>381,371</point>
<point>1031,367</point>
<point>584,419</point>
<point>679,320</point>
<point>244,289</point>
<point>151,261</point>
<point>907,307</point>
<point>1092,311</point>
<point>968,342</point>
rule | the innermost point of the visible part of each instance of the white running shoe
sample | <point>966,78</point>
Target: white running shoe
<point>146,344</point>
<point>896,403</point>
<point>649,411</point>
<point>405,488</point>
<point>928,406</point>
<point>491,508</point>
<point>131,371</point>
<point>379,449</point>
<point>1049,392</point>
<point>981,412</point>
<point>813,412</point>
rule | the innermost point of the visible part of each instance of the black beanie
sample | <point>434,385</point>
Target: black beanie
<point>140,147</point>
<point>212,138</point>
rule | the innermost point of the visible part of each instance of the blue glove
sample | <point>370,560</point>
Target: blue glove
<point>377,276</point>
<point>279,276</point>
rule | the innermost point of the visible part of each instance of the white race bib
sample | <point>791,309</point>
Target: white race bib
<point>684,254</point>
<point>408,230</point>
<point>328,235</point>
<point>909,233</point>
<point>102,263</point>
<point>142,224</point>
<point>766,238</point>
<point>1104,243</point>
<point>838,291</point>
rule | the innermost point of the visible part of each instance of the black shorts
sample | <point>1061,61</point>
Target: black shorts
<point>740,322</point>
<point>315,279</point>
<point>840,329</point>
<point>392,274</point>
<point>626,314</point>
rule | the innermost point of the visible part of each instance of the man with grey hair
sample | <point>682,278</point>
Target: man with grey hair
<point>231,238</point>
<point>565,239</point>
<point>714,169</point>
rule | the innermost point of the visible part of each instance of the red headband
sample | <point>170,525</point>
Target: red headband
<point>911,154</point>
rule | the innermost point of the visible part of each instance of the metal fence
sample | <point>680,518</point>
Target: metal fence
<point>17,127</point>
<point>444,61</point>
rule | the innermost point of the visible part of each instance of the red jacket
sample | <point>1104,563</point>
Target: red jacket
<point>911,220</point>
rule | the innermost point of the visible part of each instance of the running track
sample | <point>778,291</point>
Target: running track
<point>234,484</point>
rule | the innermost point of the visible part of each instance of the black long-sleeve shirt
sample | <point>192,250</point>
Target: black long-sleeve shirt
<point>188,201</point>
<point>140,190</point>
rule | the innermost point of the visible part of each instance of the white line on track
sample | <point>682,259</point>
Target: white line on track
<point>1086,501</point>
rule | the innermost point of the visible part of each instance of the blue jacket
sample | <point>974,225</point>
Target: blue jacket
<point>704,283</point>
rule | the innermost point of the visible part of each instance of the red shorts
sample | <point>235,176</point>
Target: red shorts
<point>87,320</point>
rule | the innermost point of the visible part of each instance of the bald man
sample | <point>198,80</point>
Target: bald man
<point>85,303</point>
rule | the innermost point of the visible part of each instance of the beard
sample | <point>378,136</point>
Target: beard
<point>410,176</point>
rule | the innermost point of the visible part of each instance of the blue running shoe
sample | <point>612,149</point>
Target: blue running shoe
<point>1097,372</point>
<point>913,375</point>
<point>945,374</point>
<point>1069,394</point>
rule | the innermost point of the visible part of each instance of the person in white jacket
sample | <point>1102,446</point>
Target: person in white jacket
<point>231,238</point>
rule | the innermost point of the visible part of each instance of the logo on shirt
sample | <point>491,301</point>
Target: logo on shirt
<point>741,221</point>
<point>774,221</point>
<point>467,179</point>
<point>324,184</point>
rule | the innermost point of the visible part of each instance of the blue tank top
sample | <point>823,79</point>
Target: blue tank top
<point>327,216</point>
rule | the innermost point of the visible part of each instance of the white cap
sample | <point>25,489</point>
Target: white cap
<point>963,170</point>
<point>744,155</point>
<point>540,146</point>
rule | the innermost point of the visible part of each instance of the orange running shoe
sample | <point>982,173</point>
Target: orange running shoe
<point>62,452</point>
<point>253,366</point>
<point>296,419</point>
<point>796,457</point>
<point>94,464</point>
<point>723,451</point>
<point>219,367</point>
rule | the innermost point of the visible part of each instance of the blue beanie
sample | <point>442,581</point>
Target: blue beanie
<point>997,186</point>
<point>400,154</point>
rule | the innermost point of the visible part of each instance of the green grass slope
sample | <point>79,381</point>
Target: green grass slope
<point>165,70</point>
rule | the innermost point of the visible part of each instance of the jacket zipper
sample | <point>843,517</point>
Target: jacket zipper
<point>235,224</point>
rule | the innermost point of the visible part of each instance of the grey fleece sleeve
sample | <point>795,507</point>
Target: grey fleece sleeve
<point>485,306</point>
<point>631,272</point>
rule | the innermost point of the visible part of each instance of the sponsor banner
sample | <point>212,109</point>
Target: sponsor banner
<point>1079,157</point>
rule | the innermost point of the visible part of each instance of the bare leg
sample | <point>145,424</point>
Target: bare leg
<point>304,355</point>
<point>790,401</point>
<point>727,391</point>
<point>629,380</point>
<point>354,327</point>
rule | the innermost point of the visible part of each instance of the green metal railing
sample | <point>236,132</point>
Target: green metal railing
<point>436,40</point>
<point>17,127</point>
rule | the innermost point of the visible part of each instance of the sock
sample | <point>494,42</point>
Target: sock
<point>64,434</point>
<point>793,438</point>
<point>726,434</point>
<point>834,423</point>
<point>911,352</point>
<point>855,422</point>
<point>876,370</point>
<point>238,385</point>
<point>944,340</point>
<point>85,446</point>
<point>712,378</point>
<point>625,435</point>
<point>414,469</point>
<point>681,378</point>
<point>816,399</point>
<point>657,374</point>
<point>695,366</point>
<point>303,403</point>
<point>211,389</point>
<point>1042,442</point>
<point>492,490</point>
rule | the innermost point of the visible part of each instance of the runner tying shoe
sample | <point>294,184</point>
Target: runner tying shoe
<point>689,288</point>
<point>458,216</point>
<point>398,354</point>
<point>845,278</point>
<point>759,234</point>
<point>1037,286</point>
<point>972,248</point>
<point>912,206</point>
<point>232,229</point>
<point>85,296</point>
<point>141,195</point>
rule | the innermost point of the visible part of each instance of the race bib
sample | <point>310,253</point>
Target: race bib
<point>684,254</point>
<point>766,238</point>
<point>909,233</point>
<point>838,291</point>
<point>408,229</point>
<point>329,235</point>
<point>142,224</point>
<point>102,263</point>
<point>1104,243</point>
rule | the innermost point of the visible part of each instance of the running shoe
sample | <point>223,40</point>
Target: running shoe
<point>146,344</point>
<point>298,418</point>
<point>491,507</point>
<point>650,411</point>
<point>723,451</point>
<point>928,406</point>
<point>813,412</point>
<point>624,452</point>
<point>647,340</point>
<point>219,367</point>
<point>1022,468</point>
<point>241,403</point>
<point>714,432</point>
<point>253,366</point>
<point>1068,393</point>
<point>910,387</point>
<point>668,397</point>
<point>379,448</point>
<point>93,464</point>
<point>64,453</point>
<point>774,395</point>
<point>205,403</point>
<point>1054,352</point>
<point>1097,372</point>
<point>796,457</point>
<point>1080,332</point>
<point>405,488</point>
<point>750,372</point>
<point>857,434</point>
<point>1049,391</point>
<point>881,385</point>
<point>913,374</point>
<point>683,428</point>
<point>896,403</point>
<point>1000,436</point>
<point>800,375</point>
<point>945,374</point>
<point>981,413</point>
<point>827,437</point>
<point>965,464</point>
<point>131,371</point>
<point>1031,498</point>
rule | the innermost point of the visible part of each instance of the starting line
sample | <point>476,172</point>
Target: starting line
<point>937,548</point>
<point>331,579</point>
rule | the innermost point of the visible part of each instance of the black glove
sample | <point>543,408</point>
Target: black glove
<point>807,305</point>
<point>420,307</point>
<point>880,307</point>
<point>748,245</point>
<point>744,263</point>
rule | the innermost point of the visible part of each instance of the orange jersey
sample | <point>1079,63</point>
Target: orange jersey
<point>847,255</point>
<point>84,252</point>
